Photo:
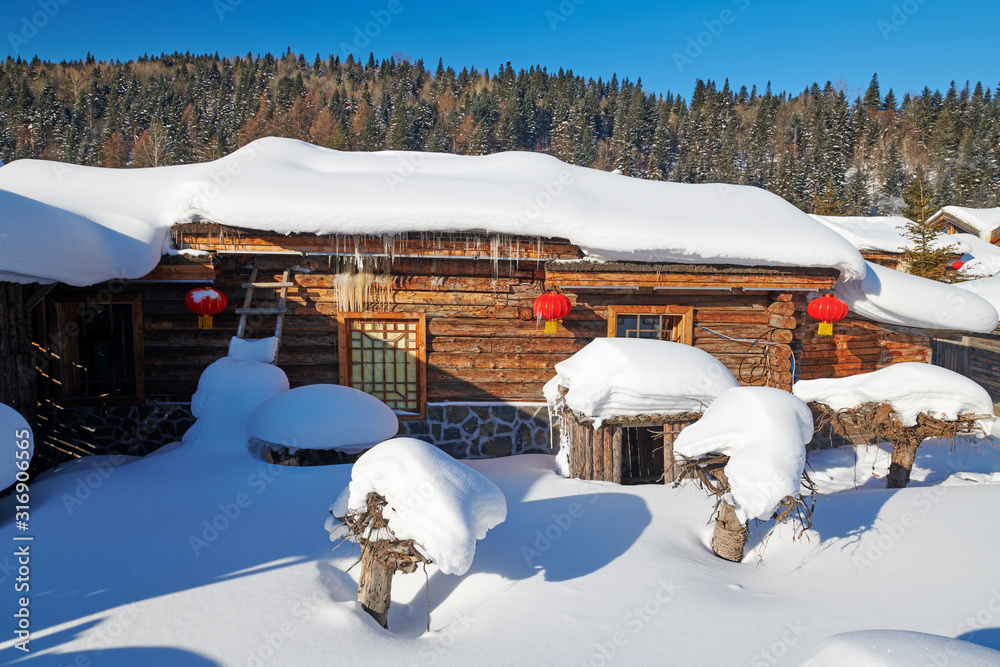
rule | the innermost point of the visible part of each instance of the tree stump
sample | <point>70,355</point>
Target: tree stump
<point>375,587</point>
<point>904,453</point>
<point>730,536</point>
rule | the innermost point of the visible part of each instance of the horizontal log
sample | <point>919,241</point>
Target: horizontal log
<point>496,375</point>
<point>449,360</point>
<point>484,391</point>
<point>320,282</point>
<point>730,317</point>
<point>511,328</point>
<point>205,272</point>
<point>539,345</point>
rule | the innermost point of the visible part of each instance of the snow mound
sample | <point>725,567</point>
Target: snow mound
<point>987,288</point>
<point>982,220</point>
<point>626,377</point>
<point>324,416</point>
<point>911,388</point>
<point>230,389</point>
<point>899,298</point>
<point>17,446</point>
<point>981,260</point>
<point>443,505</point>
<point>882,233</point>
<point>262,350</point>
<point>898,648</point>
<point>764,431</point>
<point>286,186</point>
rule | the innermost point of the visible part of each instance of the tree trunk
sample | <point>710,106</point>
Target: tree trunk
<point>730,536</point>
<point>375,587</point>
<point>901,464</point>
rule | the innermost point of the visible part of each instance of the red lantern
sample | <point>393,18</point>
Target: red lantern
<point>206,301</point>
<point>827,309</point>
<point>957,264</point>
<point>551,307</point>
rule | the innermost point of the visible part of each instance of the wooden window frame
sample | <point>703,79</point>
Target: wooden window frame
<point>686,313</point>
<point>344,353</point>
<point>69,343</point>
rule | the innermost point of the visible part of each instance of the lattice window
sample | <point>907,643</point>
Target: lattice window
<point>671,323</point>
<point>384,356</point>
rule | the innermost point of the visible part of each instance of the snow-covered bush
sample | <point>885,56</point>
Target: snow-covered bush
<point>408,502</point>
<point>751,446</point>
<point>230,389</point>
<point>904,404</point>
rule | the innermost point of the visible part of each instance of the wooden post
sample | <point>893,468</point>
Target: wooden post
<point>597,451</point>
<point>616,454</point>
<point>587,438</point>
<point>670,468</point>
<point>375,586</point>
<point>17,368</point>
<point>608,467</point>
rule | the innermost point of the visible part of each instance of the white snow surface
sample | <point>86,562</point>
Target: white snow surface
<point>910,387</point>
<point>983,220</point>
<point>987,288</point>
<point>443,505</point>
<point>15,430</point>
<point>880,233</point>
<point>82,225</point>
<point>764,431</point>
<point>626,377</point>
<point>262,350</point>
<point>893,297</point>
<point>229,390</point>
<point>981,260</point>
<point>899,648</point>
<point>324,416</point>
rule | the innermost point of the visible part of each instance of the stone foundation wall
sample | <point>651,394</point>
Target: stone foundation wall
<point>465,431</point>
<point>483,430</point>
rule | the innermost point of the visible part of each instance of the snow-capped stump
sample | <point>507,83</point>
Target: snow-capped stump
<point>903,404</point>
<point>748,449</point>
<point>319,424</point>
<point>604,392</point>
<point>409,503</point>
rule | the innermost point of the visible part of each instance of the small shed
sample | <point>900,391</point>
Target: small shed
<point>620,402</point>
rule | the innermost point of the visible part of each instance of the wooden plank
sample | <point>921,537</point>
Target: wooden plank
<point>477,376</point>
<point>203,272</point>
<point>616,453</point>
<point>489,360</point>
<point>511,328</point>
<point>587,452</point>
<point>485,391</point>
<point>597,452</point>
<point>535,345</point>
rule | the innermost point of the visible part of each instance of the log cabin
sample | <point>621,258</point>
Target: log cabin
<point>409,276</point>
<point>981,222</point>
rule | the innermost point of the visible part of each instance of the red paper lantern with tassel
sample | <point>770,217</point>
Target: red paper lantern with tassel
<point>827,309</point>
<point>206,301</point>
<point>551,307</point>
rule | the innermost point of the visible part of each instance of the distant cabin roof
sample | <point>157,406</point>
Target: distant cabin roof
<point>878,233</point>
<point>983,222</point>
<point>84,225</point>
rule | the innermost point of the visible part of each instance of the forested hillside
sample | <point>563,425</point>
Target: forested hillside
<point>818,148</point>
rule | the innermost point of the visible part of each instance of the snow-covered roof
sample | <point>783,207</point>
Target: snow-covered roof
<point>628,377</point>
<point>82,225</point>
<point>910,388</point>
<point>893,297</point>
<point>981,259</point>
<point>985,221</point>
<point>987,288</point>
<point>879,233</point>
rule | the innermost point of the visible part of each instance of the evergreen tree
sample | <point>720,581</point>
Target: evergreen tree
<point>925,255</point>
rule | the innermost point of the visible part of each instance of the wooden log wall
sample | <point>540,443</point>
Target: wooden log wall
<point>17,378</point>
<point>857,346</point>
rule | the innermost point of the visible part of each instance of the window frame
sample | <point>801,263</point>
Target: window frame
<point>69,349</point>
<point>344,353</point>
<point>685,325</point>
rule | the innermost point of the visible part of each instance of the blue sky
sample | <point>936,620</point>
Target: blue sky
<point>910,43</point>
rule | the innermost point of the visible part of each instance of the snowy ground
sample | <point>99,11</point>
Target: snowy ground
<point>201,555</point>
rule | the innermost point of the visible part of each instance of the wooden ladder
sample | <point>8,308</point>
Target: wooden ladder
<point>248,308</point>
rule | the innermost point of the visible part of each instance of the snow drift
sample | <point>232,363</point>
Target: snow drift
<point>112,223</point>
<point>883,233</point>
<point>898,648</point>
<point>911,388</point>
<point>443,505</point>
<point>323,416</point>
<point>230,389</point>
<point>893,297</point>
<point>763,431</point>
<point>626,377</point>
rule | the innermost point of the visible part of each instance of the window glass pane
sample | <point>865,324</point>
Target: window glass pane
<point>385,361</point>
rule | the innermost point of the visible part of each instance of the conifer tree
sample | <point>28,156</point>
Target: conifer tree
<point>925,255</point>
